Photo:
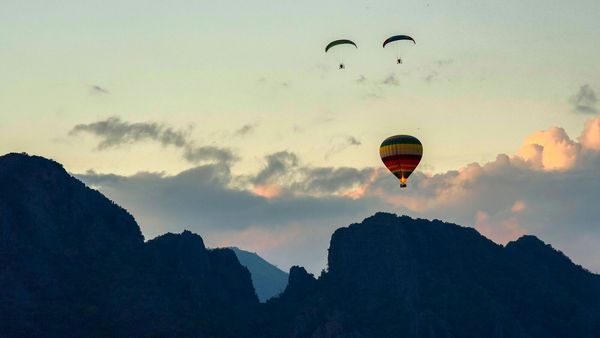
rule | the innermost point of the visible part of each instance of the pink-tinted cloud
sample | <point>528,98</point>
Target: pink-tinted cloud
<point>550,149</point>
<point>267,191</point>
<point>259,239</point>
<point>502,230</point>
<point>519,206</point>
<point>361,189</point>
<point>287,211</point>
<point>547,188</point>
<point>590,137</point>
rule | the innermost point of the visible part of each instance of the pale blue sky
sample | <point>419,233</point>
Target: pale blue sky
<point>508,68</point>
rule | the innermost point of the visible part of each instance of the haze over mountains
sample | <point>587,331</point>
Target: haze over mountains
<point>268,280</point>
<point>73,263</point>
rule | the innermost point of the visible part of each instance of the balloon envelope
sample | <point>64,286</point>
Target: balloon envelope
<point>401,154</point>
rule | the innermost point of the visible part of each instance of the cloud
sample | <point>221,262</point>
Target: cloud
<point>284,174</point>
<point>95,89</point>
<point>434,72</point>
<point>314,123</point>
<point>273,83</point>
<point>585,101</point>
<point>328,181</point>
<point>391,80</point>
<point>206,200</point>
<point>550,149</point>
<point>501,229</point>
<point>444,62</point>
<point>245,130</point>
<point>340,144</point>
<point>278,165</point>
<point>291,208</point>
<point>353,141</point>
<point>519,206</point>
<point>590,138</point>
<point>208,153</point>
<point>550,192</point>
<point>114,132</point>
<point>431,76</point>
<point>361,79</point>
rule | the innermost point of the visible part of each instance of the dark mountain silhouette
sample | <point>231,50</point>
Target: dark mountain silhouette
<point>268,280</point>
<point>395,276</point>
<point>74,264</point>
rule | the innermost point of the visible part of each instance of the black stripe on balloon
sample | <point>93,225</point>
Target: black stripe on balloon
<point>402,157</point>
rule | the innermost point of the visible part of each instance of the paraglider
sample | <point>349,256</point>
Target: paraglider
<point>401,154</point>
<point>340,42</point>
<point>396,38</point>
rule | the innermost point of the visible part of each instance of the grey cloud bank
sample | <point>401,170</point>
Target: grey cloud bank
<point>585,101</point>
<point>114,132</point>
<point>287,210</point>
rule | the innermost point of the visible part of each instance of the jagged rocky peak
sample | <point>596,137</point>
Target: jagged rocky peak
<point>391,274</point>
<point>73,263</point>
<point>186,241</point>
<point>385,242</point>
<point>300,283</point>
<point>44,205</point>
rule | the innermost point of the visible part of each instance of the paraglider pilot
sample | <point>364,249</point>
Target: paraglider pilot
<point>337,43</point>
<point>399,61</point>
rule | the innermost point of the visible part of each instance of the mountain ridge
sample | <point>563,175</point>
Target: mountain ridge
<point>76,264</point>
<point>438,279</point>
<point>73,263</point>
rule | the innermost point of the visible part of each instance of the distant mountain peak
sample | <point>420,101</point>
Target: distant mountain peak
<point>527,240</point>
<point>300,283</point>
<point>268,279</point>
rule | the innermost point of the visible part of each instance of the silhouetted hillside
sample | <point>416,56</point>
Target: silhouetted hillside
<point>74,264</point>
<point>268,280</point>
<point>395,276</point>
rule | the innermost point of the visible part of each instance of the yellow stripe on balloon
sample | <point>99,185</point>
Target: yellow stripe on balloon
<point>405,149</point>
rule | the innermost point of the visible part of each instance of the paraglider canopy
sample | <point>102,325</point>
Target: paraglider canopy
<point>398,38</point>
<point>339,42</point>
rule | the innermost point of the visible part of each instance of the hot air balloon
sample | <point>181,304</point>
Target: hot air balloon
<point>399,42</point>
<point>341,42</point>
<point>401,154</point>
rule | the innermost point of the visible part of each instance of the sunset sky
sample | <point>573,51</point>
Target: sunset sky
<point>227,118</point>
